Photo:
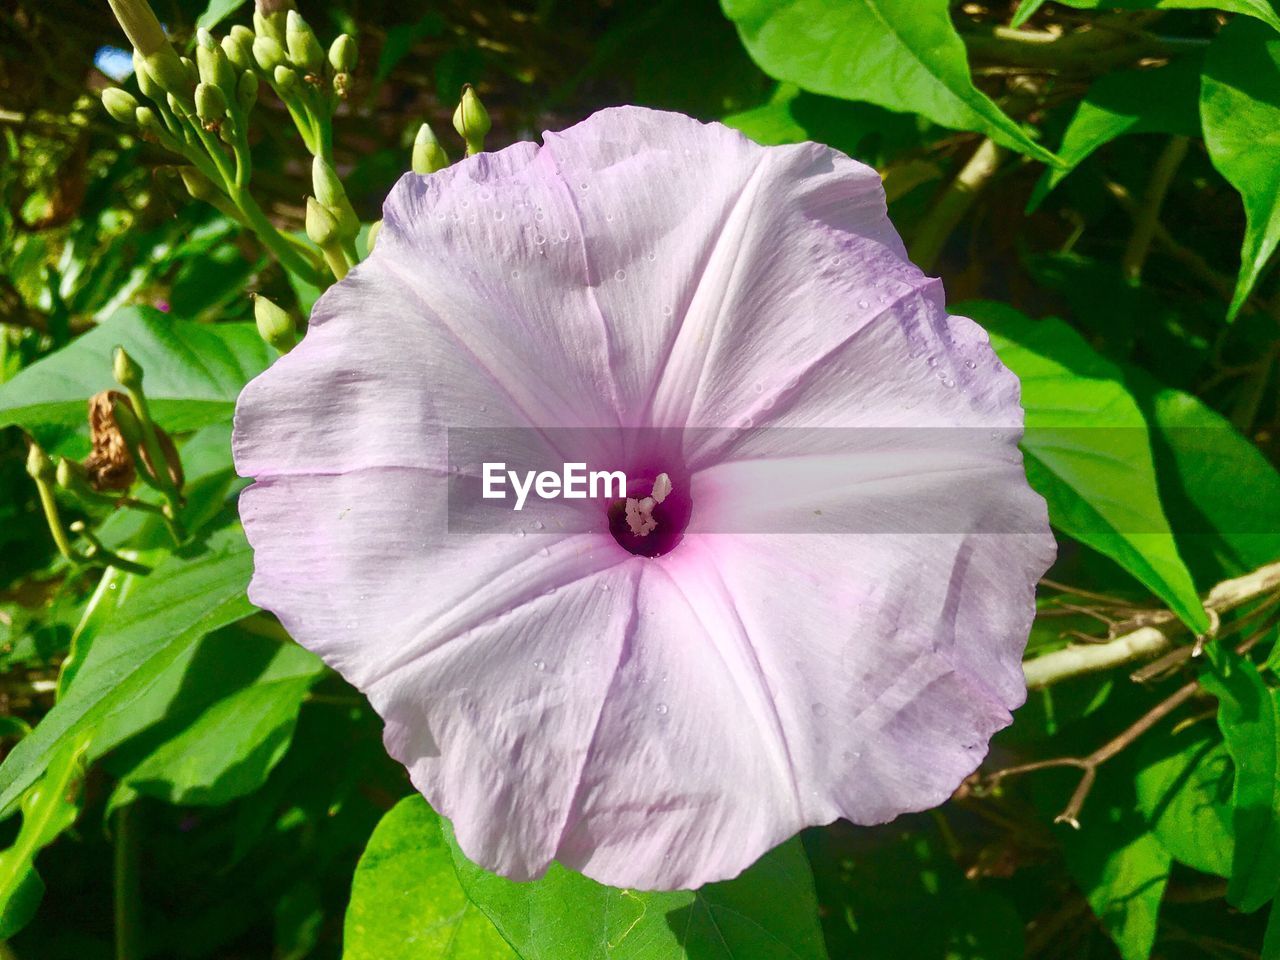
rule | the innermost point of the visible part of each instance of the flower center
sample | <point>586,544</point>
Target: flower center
<point>651,525</point>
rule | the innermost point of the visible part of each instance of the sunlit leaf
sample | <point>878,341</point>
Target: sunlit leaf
<point>767,913</point>
<point>49,807</point>
<point>1184,791</point>
<point>194,372</point>
<point>1240,106</point>
<point>1088,451</point>
<point>180,601</point>
<point>406,901</point>
<point>1249,715</point>
<point>901,54</point>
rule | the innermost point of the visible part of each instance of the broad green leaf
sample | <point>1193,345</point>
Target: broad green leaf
<point>1184,791</point>
<point>181,600</point>
<point>1200,456</point>
<point>1160,100</point>
<point>49,807</point>
<point>406,901</point>
<point>193,373</point>
<point>1249,715</point>
<point>1088,451</point>
<point>1119,865</point>
<point>230,745</point>
<point>1271,942</point>
<point>770,912</point>
<point>901,54</point>
<point>1264,10</point>
<point>1240,107</point>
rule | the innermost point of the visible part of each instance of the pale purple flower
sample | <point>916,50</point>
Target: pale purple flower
<point>652,721</point>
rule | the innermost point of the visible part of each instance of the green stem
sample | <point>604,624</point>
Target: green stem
<point>127,887</point>
<point>290,258</point>
<point>49,505</point>
<point>954,202</point>
<point>1148,215</point>
<point>337,260</point>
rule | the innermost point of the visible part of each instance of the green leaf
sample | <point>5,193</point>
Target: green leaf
<point>1119,865</point>
<point>770,912</point>
<point>1160,100</point>
<point>1249,715</point>
<point>1184,791</point>
<point>49,808</point>
<point>406,901</point>
<point>229,746</point>
<point>217,11</point>
<point>194,372</point>
<point>1088,451</point>
<point>901,54</point>
<point>181,600</point>
<point>1026,10</point>
<point>1199,456</point>
<point>1264,10</point>
<point>1271,942</point>
<point>1240,107</point>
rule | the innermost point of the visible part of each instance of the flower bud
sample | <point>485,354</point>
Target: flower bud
<point>286,79</point>
<point>211,105</point>
<point>170,73</point>
<point>247,91</point>
<point>192,71</point>
<point>343,53</point>
<point>371,240</point>
<point>275,326</point>
<point>198,185</point>
<point>428,155</point>
<point>140,25</point>
<point>269,18</point>
<point>127,372</point>
<point>268,53</point>
<point>238,46</point>
<point>149,122</point>
<point>304,48</point>
<point>330,192</point>
<point>471,120</point>
<point>120,104</point>
<point>322,227</point>
<point>213,65</point>
<point>74,478</point>
<point>39,466</point>
<point>146,82</point>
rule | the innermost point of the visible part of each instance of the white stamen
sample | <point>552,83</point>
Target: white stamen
<point>640,519</point>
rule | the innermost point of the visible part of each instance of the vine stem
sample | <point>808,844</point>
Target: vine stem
<point>954,202</point>
<point>1089,765</point>
<point>1148,214</point>
<point>1147,641</point>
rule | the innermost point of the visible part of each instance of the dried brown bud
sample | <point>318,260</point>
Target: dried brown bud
<point>114,433</point>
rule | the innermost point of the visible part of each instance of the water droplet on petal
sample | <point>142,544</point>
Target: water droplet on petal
<point>537,524</point>
<point>863,304</point>
<point>662,709</point>
<point>970,364</point>
<point>564,234</point>
<point>666,311</point>
<point>539,665</point>
<point>499,215</point>
<point>651,256</point>
<point>932,361</point>
<point>819,710</point>
<point>519,533</point>
<point>515,274</point>
<point>544,552</point>
<point>620,275</point>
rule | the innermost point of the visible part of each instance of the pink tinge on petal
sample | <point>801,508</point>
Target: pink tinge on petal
<point>825,617</point>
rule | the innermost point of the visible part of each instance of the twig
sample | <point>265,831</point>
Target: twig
<point>1070,814</point>
<point>1146,641</point>
<point>954,202</point>
<point>1148,215</point>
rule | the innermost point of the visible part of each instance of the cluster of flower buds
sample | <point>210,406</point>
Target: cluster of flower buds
<point>128,445</point>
